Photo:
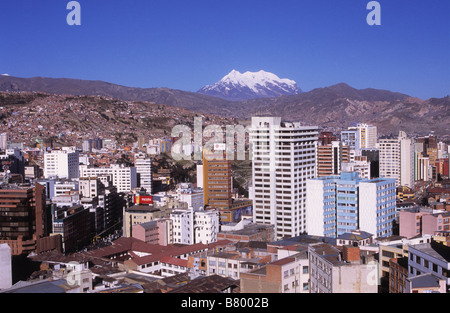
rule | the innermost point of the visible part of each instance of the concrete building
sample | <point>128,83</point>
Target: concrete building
<point>286,275</point>
<point>333,270</point>
<point>90,187</point>
<point>229,264</point>
<point>193,197</point>
<point>63,163</point>
<point>425,283</point>
<point>139,214</point>
<point>283,157</point>
<point>74,226</point>
<point>360,164</point>
<point>367,135</point>
<point>397,159</point>
<point>24,219</point>
<point>217,181</point>
<point>430,258</point>
<point>342,204</point>
<point>5,266</point>
<point>423,221</point>
<point>157,232</point>
<point>350,138</point>
<point>398,274</point>
<point>330,158</point>
<point>143,165</point>
<point>396,248</point>
<point>195,226</point>
<point>123,178</point>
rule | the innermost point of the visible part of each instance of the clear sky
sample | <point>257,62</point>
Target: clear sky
<point>188,44</point>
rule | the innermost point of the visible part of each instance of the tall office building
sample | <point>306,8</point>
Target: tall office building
<point>62,163</point>
<point>217,181</point>
<point>24,220</point>
<point>143,166</point>
<point>283,158</point>
<point>397,159</point>
<point>344,203</point>
<point>350,138</point>
<point>367,135</point>
<point>330,158</point>
<point>124,178</point>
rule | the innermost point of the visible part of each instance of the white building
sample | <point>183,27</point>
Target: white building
<point>190,195</point>
<point>397,159</point>
<point>346,203</point>
<point>61,188</point>
<point>5,266</point>
<point>143,166</point>
<point>90,187</point>
<point>191,227</point>
<point>62,163</point>
<point>367,135</point>
<point>123,178</point>
<point>360,164</point>
<point>283,158</point>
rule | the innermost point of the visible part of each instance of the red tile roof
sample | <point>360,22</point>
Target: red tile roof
<point>174,261</point>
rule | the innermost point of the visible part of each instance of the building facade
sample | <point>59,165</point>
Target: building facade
<point>283,158</point>
<point>347,203</point>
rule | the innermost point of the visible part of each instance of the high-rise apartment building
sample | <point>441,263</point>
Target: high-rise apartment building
<point>350,138</point>
<point>330,158</point>
<point>143,166</point>
<point>283,158</point>
<point>62,163</point>
<point>397,159</point>
<point>367,136</point>
<point>345,203</point>
<point>217,181</point>
<point>124,178</point>
<point>24,220</point>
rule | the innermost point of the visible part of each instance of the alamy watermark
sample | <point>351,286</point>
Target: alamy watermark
<point>229,145</point>
<point>74,16</point>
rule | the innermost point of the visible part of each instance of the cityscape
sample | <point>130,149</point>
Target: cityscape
<point>250,186</point>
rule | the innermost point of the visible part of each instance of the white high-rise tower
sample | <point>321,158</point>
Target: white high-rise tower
<point>283,158</point>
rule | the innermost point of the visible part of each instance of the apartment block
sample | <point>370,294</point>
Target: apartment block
<point>283,158</point>
<point>123,178</point>
<point>330,158</point>
<point>346,203</point>
<point>143,165</point>
<point>62,163</point>
<point>74,226</point>
<point>195,226</point>
<point>397,159</point>
<point>333,270</point>
<point>217,180</point>
<point>24,219</point>
<point>367,135</point>
<point>286,275</point>
<point>139,214</point>
<point>430,258</point>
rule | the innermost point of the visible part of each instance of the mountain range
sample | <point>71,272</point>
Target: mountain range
<point>333,107</point>
<point>250,85</point>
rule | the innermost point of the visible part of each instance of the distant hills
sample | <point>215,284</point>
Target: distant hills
<point>332,107</point>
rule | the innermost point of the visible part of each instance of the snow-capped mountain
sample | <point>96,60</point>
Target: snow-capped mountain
<point>236,86</point>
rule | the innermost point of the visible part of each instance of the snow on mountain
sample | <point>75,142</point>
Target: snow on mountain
<point>241,86</point>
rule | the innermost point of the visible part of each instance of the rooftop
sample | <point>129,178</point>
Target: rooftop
<point>424,280</point>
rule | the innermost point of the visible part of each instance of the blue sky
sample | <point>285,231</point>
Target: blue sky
<point>188,44</point>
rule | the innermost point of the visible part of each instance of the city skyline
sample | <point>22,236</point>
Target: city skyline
<point>189,45</point>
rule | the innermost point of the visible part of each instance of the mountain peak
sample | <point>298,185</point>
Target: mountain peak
<point>241,86</point>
